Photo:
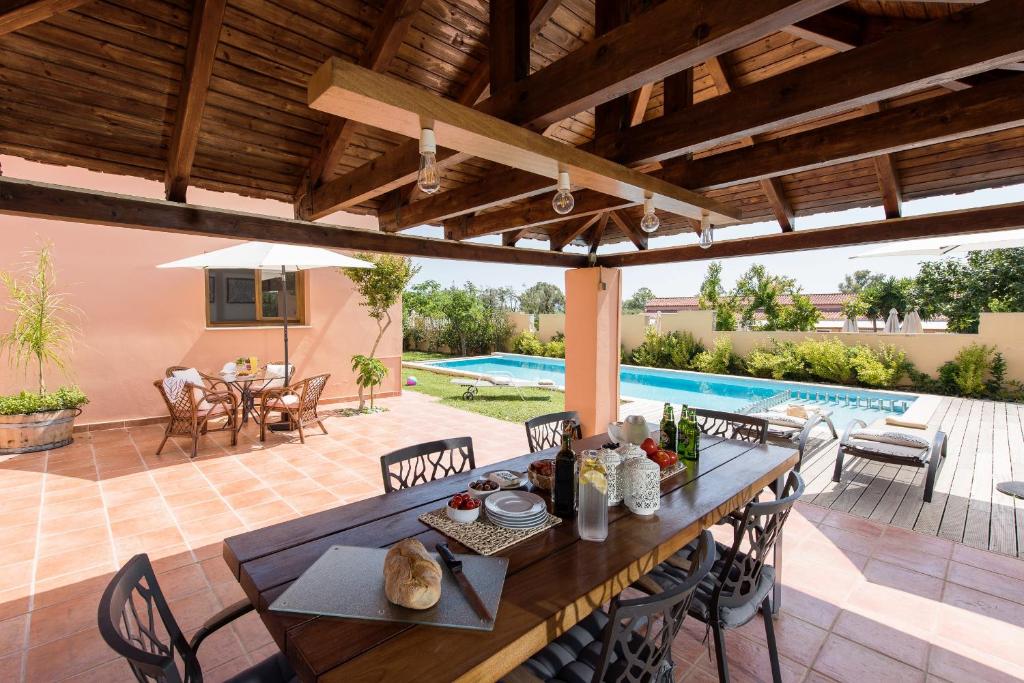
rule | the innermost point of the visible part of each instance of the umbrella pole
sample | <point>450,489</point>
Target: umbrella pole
<point>284,424</point>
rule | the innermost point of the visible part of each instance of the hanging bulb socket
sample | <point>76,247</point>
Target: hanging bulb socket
<point>706,237</point>
<point>650,222</point>
<point>428,179</point>
<point>563,201</point>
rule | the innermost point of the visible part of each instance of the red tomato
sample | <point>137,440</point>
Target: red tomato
<point>649,446</point>
<point>662,458</point>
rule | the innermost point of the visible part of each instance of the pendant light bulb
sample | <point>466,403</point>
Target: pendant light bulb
<point>705,232</point>
<point>563,202</point>
<point>650,222</point>
<point>429,177</point>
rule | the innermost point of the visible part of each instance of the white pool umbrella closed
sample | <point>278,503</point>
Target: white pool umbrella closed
<point>286,258</point>
<point>892,323</point>
<point>912,324</point>
<point>850,326</point>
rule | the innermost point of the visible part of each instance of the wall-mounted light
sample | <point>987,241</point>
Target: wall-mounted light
<point>650,221</point>
<point>563,202</point>
<point>429,177</point>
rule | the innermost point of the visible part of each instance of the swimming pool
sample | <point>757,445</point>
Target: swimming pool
<point>714,392</point>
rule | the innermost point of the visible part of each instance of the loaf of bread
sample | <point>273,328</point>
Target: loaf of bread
<point>412,578</point>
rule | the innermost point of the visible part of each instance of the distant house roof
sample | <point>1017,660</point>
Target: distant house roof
<point>830,301</point>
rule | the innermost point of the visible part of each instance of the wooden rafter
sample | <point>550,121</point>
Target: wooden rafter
<point>54,202</point>
<point>638,101</point>
<point>392,26</point>
<point>776,193</point>
<point>560,237</point>
<point>207,17</point>
<point>597,233</point>
<point>965,221</point>
<point>351,91</point>
<point>889,184</point>
<point>534,212</point>
<point>510,238</point>
<point>630,228</point>
<point>671,37</point>
<point>17,14</point>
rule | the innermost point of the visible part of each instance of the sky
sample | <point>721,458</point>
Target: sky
<point>815,271</point>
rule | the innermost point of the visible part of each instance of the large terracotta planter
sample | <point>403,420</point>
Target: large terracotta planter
<point>31,432</point>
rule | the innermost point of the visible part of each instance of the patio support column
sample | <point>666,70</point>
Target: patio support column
<point>592,310</point>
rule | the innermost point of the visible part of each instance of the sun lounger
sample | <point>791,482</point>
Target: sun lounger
<point>793,427</point>
<point>888,443</point>
<point>497,381</point>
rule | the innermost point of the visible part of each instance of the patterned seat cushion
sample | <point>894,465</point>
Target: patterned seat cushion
<point>890,436</point>
<point>286,401</point>
<point>914,454</point>
<point>671,572</point>
<point>572,657</point>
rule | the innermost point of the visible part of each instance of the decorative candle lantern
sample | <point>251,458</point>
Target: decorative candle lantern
<point>612,464</point>
<point>641,482</point>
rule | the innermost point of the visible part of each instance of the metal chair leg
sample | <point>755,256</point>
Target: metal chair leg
<point>777,588</point>
<point>769,632</point>
<point>723,664</point>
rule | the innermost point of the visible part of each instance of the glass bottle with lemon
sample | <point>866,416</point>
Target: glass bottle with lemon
<point>592,519</point>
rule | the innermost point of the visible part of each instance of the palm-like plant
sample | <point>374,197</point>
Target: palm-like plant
<point>41,332</point>
<point>370,372</point>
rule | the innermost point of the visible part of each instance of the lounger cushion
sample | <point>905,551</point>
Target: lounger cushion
<point>891,436</point>
<point>904,422</point>
<point>910,453</point>
<point>781,419</point>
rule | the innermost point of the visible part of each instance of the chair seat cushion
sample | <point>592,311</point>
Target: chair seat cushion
<point>273,669</point>
<point>781,419</point>
<point>286,401</point>
<point>890,436</point>
<point>912,454</point>
<point>571,658</point>
<point>669,574</point>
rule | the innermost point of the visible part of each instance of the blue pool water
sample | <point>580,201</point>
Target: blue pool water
<point>714,392</point>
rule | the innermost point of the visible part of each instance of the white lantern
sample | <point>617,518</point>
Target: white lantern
<point>640,478</point>
<point>612,464</point>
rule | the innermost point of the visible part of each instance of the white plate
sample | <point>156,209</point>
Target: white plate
<point>523,479</point>
<point>531,524</point>
<point>516,520</point>
<point>515,504</point>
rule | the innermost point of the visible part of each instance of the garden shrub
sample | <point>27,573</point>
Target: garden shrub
<point>972,365</point>
<point>527,343</point>
<point>870,369</point>
<point>828,360</point>
<point>554,349</point>
<point>674,350</point>
<point>765,363</point>
<point>718,360</point>
<point>64,398</point>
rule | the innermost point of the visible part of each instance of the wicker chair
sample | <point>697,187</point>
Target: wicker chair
<point>545,431</point>
<point>193,408</point>
<point>276,382</point>
<point>211,383</point>
<point>298,402</point>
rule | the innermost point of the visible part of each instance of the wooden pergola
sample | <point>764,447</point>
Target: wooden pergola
<point>750,110</point>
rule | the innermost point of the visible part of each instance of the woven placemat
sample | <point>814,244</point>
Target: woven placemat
<point>483,536</point>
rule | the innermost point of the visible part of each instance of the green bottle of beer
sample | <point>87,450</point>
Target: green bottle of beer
<point>668,429</point>
<point>694,436</point>
<point>683,432</point>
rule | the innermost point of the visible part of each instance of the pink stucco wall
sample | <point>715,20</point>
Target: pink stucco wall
<point>137,320</point>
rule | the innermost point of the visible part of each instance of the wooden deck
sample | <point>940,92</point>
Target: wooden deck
<point>986,446</point>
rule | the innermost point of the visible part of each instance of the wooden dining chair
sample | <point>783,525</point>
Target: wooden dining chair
<point>425,462</point>
<point>632,641</point>
<point>191,411</point>
<point>298,402</point>
<point>136,622</point>
<point>545,431</point>
<point>741,581</point>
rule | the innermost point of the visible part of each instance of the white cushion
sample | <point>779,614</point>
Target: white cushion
<point>781,419</point>
<point>889,436</point>
<point>903,422</point>
<point>908,452</point>
<point>286,400</point>
<point>173,387</point>
<point>192,376</point>
<point>276,370</point>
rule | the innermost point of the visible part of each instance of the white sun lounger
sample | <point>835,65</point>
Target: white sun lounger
<point>498,381</point>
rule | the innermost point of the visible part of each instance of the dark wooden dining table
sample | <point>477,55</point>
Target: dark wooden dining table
<point>554,578</point>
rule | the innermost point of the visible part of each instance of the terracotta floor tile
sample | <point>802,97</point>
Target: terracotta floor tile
<point>158,519</point>
<point>10,667</point>
<point>66,657</point>
<point>797,639</point>
<point>983,622</point>
<point>12,634</point>
<point>14,602</point>
<point>192,610</point>
<point>225,523</point>
<point>200,511</point>
<point>876,635</point>
<point>89,581</point>
<point>15,574</point>
<point>240,486</point>
<point>249,498</point>
<point>905,580</point>
<point>860,525</point>
<point>203,494</point>
<point>73,540</point>
<point>954,661</point>
<point>63,619</point>
<point>846,661</point>
<point>80,520</point>
<point>148,541</point>
<point>847,540</point>
<point>99,555</point>
<point>1000,585</point>
<point>140,508</point>
<point>260,515</point>
<point>992,562</point>
<point>115,671</point>
<point>183,581</point>
<point>14,553</point>
<point>908,612</point>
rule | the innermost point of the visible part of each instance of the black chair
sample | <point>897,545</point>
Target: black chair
<point>425,462</point>
<point>137,624</point>
<point>545,431</point>
<point>631,642</point>
<point>741,581</point>
<point>732,425</point>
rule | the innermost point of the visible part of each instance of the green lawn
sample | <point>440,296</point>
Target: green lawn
<point>501,403</point>
<point>418,356</point>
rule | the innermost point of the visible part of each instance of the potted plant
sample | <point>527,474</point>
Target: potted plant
<point>40,335</point>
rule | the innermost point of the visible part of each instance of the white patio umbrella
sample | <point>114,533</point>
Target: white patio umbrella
<point>892,323</point>
<point>287,258</point>
<point>850,326</point>
<point>954,244</point>
<point>912,323</point>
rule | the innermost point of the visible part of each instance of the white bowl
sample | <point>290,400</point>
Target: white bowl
<point>480,495</point>
<point>462,516</point>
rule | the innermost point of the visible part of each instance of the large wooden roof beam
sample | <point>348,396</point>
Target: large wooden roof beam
<point>559,238</point>
<point>17,14</point>
<point>670,37</point>
<point>776,193</point>
<point>207,17</point>
<point>630,228</point>
<point>965,221</point>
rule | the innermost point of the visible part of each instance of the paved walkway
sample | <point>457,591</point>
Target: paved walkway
<point>863,601</point>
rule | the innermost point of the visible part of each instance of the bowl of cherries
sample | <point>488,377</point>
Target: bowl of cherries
<point>463,508</point>
<point>481,488</point>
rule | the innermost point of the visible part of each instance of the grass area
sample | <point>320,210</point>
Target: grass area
<point>418,356</point>
<point>501,403</point>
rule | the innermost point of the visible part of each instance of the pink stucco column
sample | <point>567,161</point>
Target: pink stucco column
<point>592,309</point>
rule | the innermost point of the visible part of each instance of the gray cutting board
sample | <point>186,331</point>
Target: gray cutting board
<point>348,582</point>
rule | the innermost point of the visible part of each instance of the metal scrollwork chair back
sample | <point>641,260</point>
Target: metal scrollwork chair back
<point>732,425</point>
<point>545,431</point>
<point>425,462</point>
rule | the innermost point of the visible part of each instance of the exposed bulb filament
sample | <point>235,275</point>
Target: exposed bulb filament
<point>429,177</point>
<point>563,201</point>
<point>705,232</point>
<point>650,222</point>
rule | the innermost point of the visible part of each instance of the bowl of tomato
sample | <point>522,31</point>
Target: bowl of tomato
<point>463,508</point>
<point>542,473</point>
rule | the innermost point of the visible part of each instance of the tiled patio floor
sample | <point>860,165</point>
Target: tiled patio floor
<point>863,601</point>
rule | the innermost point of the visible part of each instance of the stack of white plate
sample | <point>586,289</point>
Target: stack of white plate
<point>516,509</point>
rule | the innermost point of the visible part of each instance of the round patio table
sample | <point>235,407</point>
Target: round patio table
<point>244,385</point>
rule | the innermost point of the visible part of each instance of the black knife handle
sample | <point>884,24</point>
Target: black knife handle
<point>448,556</point>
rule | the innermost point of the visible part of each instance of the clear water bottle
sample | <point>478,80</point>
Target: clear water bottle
<point>592,517</point>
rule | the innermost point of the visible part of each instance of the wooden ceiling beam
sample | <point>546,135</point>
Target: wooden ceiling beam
<point>508,51</point>
<point>965,221</point>
<point>17,14</point>
<point>669,38</point>
<point>630,228</point>
<point>638,101</point>
<point>776,193</point>
<point>889,184</point>
<point>559,238</point>
<point>55,202</point>
<point>351,91</point>
<point>535,212</point>
<point>597,233</point>
<point>510,238</point>
<point>971,41</point>
<point>207,17</point>
<point>382,47</point>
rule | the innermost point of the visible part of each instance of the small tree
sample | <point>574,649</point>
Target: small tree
<point>41,332</point>
<point>380,287</point>
<point>638,302</point>
<point>370,372</point>
<point>542,297</point>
